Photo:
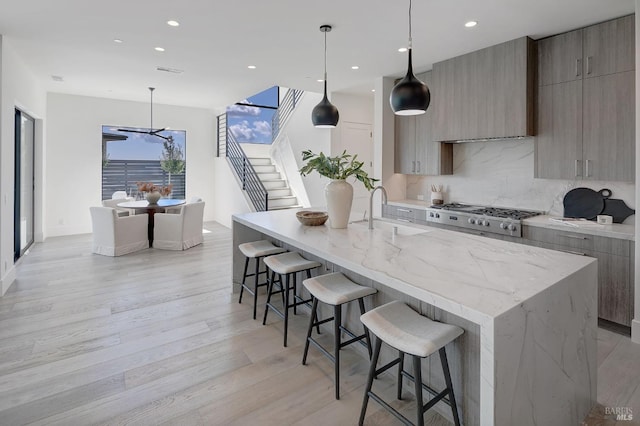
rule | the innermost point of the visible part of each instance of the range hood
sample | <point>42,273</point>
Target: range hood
<point>503,138</point>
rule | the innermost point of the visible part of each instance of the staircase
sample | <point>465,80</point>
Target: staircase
<point>280,196</point>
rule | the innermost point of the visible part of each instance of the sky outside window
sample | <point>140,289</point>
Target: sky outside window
<point>250,123</point>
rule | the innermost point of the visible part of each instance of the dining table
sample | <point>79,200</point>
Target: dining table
<point>151,210</point>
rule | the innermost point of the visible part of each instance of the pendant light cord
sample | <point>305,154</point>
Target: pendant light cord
<point>325,60</point>
<point>410,42</point>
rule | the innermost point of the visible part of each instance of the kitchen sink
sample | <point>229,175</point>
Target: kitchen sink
<point>388,226</point>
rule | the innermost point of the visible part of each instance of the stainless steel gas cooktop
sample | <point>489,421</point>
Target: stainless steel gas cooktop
<point>496,220</point>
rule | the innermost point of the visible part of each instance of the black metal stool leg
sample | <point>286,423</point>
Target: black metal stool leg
<point>366,330</point>
<point>255,288</point>
<point>447,378</point>
<point>417,374</point>
<point>295,293</point>
<point>337,322</point>
<point>400,368</point>
<point>312,319</point>
<point>269,291</point>
<point>244,278</point>
<point>372,373</point>
<point>286,306</point>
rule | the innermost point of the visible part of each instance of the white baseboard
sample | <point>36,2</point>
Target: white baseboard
<point>7,280</point>
<point>635,331</point>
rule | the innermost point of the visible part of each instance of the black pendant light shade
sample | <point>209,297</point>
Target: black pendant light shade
<point>325,114</point>
<point>410,96</point>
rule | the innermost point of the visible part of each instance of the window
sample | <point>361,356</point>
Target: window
<point>129,155</point>
<point>250,120</point>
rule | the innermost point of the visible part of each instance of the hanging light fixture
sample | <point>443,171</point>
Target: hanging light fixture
<point>325,114</point>
<point>410,96</point>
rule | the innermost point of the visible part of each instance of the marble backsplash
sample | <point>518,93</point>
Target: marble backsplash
<point>500,174</point>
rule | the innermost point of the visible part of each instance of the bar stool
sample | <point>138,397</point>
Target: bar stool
<point>286,264</point>
<point>410,333</point>
<point>256,250</point>
<point>335,290</point>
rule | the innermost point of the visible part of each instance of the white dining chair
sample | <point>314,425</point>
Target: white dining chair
<point>114,235</point>
<point>179,231</point>
<point>176,209</point>
<point>113,203</point>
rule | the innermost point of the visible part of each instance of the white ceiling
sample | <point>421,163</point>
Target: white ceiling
<point>218,39</point>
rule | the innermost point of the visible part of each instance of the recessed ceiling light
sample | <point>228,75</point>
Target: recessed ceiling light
<point>373,90</point>
<point>251,67</point>
<point>355,67</point>
<point>471,24</point>
<point>320,80</point>
<point>160,49</point>
<point>402,49</point>
<point>173,23</point>
<point>117,40</point>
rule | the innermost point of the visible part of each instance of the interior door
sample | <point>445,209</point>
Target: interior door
<point>357,138</point>
<point>24,183</point>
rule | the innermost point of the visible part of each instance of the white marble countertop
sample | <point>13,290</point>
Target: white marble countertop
<point>475,277</point>
<point>616,230</point>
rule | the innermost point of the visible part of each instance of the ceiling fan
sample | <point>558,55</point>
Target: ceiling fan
<point>150,131</point>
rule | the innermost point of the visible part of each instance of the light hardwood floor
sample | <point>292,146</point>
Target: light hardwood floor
<point>156,337</point>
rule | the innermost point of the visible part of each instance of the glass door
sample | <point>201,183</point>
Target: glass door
<point>24,183</point>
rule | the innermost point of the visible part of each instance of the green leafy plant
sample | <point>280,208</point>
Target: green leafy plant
<point>339,167</point>
<point>172,160</point>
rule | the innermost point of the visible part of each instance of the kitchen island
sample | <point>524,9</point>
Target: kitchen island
<point>528,355</point>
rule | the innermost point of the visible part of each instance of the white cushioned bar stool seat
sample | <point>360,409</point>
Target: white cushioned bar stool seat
<point>335,289</point>
<point>404,329</point>
<point>256,250</point>
<point>287,264</point>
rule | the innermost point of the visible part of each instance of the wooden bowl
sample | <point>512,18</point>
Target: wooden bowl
<point>310,218</point>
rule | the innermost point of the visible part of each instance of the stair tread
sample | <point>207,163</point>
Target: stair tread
<point>282,197</point>
<point>296,206</point>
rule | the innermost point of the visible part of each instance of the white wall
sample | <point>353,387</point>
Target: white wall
<point>301,135</point>
<point>354,109</point>
<point>73,158</point>
<point>19,88</point>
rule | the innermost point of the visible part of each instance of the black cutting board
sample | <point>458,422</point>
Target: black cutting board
<point>584,202</point>
<point>618,209</point>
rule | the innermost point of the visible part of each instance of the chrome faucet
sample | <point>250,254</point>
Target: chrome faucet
<point>384,201</point>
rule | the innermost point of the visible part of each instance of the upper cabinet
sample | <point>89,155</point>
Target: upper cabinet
<point>415,150</point>
<point>586,103</point>
<point>609,47</point>
<point>485,94</point>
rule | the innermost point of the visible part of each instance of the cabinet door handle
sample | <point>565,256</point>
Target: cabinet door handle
<point>589,64</point>
<point>413,167</point>
<point>404,210</point>
<point>573,252</point>
<point>586,168</point>
<point>399,219</point>
<point>575,237</point>
<point>418,167</point>
<point>578,67</point>
<point>576,168</point>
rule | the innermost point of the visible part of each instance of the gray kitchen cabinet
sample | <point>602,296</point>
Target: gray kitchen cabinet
<point>485,94</point>
<point>404,214</point>
<point>608,146</point>
<point>615,266</point>
<point>560,58</point>
<point>415,150</point>
<point>558,145</point>
<point>586,126</point>
<point>609,47</point>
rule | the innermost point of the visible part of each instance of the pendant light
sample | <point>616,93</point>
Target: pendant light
<point>325,114</point>
<point>410,96</point>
